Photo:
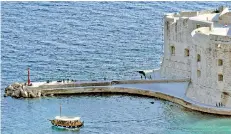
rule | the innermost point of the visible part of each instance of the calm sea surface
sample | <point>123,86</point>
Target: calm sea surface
<point>92,41</point>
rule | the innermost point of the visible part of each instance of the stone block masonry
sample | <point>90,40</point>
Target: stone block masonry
<point>197,45</point>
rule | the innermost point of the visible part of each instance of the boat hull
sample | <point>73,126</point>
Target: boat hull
<point>64,128</point>
<point>53,122</point>
<point>67,126</point>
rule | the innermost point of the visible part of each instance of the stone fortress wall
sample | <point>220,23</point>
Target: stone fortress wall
<point>198,46</point>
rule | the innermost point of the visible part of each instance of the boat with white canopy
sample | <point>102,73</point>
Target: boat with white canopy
<point>67,121</point>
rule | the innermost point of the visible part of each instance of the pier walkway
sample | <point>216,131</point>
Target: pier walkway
<point>173,90</point>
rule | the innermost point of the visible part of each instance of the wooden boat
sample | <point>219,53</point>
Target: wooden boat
<point>66,122</point>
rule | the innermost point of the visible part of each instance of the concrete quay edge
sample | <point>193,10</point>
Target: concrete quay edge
<point>140,92</point>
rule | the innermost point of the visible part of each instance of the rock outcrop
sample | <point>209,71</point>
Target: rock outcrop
<point>18,90</point>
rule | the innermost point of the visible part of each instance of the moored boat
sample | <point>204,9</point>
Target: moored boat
<point>67,122</point>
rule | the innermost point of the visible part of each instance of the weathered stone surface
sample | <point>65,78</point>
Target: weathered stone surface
<point>16,94</point>
<point>193,48</point>
<point>31,94</point>
<point>51,95</point>
<point>23,93</point>
<point>10,88</point>
<point>42,94</point>
<point>18,90</point>
<point>16,85</point>
<point>8,93</point>
<point>39,94</point>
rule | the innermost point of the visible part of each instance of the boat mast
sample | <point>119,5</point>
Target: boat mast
<point>60,110</point>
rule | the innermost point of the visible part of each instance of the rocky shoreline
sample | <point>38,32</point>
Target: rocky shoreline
<point>18,90</point>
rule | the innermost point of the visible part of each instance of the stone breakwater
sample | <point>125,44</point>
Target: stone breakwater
<point>21,90</point>
<point>18,90</point>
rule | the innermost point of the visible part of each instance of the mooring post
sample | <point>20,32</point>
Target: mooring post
<point>28,76</point>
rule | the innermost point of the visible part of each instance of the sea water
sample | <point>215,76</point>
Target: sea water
<point>92,41</point>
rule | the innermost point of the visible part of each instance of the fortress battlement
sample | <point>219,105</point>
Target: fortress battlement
<point>197,46</point>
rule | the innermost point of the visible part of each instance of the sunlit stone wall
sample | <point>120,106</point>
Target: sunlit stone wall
<point>192,51</point>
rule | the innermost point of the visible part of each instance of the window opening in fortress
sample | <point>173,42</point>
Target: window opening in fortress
<point>198,58</point>
<point>220,62</point>
<point>167,24</point>
<point>186,52</point>
<point>220,77</point>
<point>172,50</point>
<point>198,73</point>
<point>198,26</point>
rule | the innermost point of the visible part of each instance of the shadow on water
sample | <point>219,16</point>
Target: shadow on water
<point>103,94</point>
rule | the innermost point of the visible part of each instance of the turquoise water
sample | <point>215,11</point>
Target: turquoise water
<point>92,41</point>
<point>108,114</point>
